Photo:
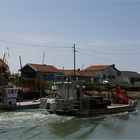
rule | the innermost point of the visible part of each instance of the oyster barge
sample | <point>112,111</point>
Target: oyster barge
<point>68,99</point>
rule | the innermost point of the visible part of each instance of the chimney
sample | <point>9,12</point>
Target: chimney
<point>78,69</point>
<point>113,65</point>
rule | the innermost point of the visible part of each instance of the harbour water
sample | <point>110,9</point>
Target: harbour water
<point>33,124</point>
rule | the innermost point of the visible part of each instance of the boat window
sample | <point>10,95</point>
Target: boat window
<point>12,91</point>
<point>8,91</point>
<point>10,102</point>
<point>48,105</point>
<point>1,100</point>
<point>60,86</point>
<point>64,87</point>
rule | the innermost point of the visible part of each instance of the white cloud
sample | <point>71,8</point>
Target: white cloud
<point>132,41</point>
<point>43,40</point>
<point>30,54</point>
<point>53,40</point>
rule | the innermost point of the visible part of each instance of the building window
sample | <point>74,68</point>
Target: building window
<point>111,76</point>
<point>104,76</point>
<point>119,74</point>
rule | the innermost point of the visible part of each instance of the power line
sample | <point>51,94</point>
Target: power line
<point>31,44</point>
<point>85,51</point>
<point>60,47</point>
<point>120,61</point>
<point>109,53</point>
<point>67,59</point>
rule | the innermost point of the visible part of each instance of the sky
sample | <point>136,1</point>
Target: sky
<point>104,32</point>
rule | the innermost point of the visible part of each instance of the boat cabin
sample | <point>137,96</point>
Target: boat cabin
<point>67,90</point>
<point>8,96</point>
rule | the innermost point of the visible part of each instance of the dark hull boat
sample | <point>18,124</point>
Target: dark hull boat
<point>69,100</point>
<point>65,109</point>
<point>97,112</point>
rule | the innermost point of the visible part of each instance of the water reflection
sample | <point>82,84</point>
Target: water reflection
<point>32,124</point>
<point>77,128</point>
<point>117,124</point>
<point>124,117</point>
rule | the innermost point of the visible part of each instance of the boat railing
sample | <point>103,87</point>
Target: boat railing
<point>75,103</point>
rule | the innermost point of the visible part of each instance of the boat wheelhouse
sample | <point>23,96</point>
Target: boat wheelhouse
<point>8,98</point>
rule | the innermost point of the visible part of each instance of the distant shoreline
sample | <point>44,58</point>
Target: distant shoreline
<point>131,94</point>
<point>134,94</point>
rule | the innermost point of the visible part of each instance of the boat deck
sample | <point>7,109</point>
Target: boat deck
<point>28,105</point>
<point>117,106</point>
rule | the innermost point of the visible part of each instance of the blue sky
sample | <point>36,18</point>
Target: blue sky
<point>105,32</point>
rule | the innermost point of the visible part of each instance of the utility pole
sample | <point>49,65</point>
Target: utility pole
<point>20,62</point>
<point>74,60</point>
<point>43,57</point>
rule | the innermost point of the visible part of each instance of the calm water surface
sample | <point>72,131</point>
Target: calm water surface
<point>32,124</point>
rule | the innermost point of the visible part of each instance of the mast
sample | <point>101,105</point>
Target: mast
<point>20,62</point>
<point>43,57</point>
<point>74,60</point>
<point>4,57</point>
